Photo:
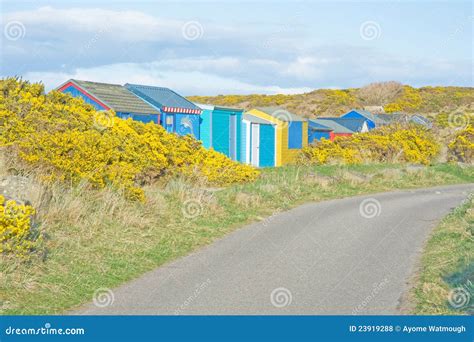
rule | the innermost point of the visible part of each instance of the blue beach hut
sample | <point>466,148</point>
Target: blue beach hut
<point>221,129</point>
<point>105,96</point>
<point>178,115</point>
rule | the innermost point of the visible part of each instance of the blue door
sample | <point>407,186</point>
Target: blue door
<point>267,146</point>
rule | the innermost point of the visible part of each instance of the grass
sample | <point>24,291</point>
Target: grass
<point>97,239</point>
<point>445,283</point>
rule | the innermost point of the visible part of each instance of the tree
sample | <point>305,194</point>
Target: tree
<point>380,93</point>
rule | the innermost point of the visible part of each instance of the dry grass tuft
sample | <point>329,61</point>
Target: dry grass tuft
<point>247,200</point>
<point>353,178</point>
<point>319,180</point>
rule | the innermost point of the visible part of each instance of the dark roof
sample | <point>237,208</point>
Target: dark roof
<point>280,113</point>
<point>116,97</point>
<point>355,125</point>
<point>316,126</point>
<point>336,127</point>
<point>162,97</point>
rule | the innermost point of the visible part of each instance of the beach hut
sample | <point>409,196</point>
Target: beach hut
<point>105,96</point>
<point>318,131</point>
<point>336,129</point>
<point>355,125</point>
<point>178,115</point>
<point>404,118</point>
<point>273,136</point>
<point>373,120</point>
<point>221,129</point>
<point>260,136</point>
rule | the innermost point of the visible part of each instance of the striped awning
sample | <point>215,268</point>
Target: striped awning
<point>181,110</point>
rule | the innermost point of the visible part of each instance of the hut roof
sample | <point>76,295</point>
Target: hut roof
<point>164,98</point>
<point>281,114</point>
<point>115,96</point>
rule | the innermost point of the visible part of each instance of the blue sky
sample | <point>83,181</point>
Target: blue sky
<point>239,47</point>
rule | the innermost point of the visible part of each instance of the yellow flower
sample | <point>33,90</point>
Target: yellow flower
<point>394,143</point>
<point>16,234</point>
<point>59,134</point>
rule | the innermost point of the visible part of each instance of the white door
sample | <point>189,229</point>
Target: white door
<point>255,144</point>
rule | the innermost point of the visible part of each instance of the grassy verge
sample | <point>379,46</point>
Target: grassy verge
<point>445,284</point>
<point>98,239</point>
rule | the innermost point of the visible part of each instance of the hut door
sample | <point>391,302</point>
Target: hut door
<point>232,137</point>
<point>254,160</point>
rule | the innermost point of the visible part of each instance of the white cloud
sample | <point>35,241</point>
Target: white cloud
<point>131,46</point>
<point>187,83</point>
<point>48,22</point>
<point>307,67</point>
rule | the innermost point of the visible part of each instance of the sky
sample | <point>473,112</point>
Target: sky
<point>239,46</point>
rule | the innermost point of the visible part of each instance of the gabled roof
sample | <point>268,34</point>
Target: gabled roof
<point>280,114</point>
<point>355,125</point>
<point>255,119</point>
<point>114,96</point>
<point>164,99</point>
<point>336,127</point>
<point>368,115</point>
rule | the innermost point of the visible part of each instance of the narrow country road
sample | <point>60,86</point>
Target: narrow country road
<point>346,256</point>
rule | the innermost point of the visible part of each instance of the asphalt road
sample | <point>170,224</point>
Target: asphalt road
<point>346,256</point>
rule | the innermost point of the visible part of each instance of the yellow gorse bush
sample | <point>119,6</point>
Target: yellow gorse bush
<point>461,148</point>
<point>393,143</point>
<point>16,234</point>
<point>71,141</point>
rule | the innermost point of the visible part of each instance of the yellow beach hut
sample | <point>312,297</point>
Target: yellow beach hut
<point>274,136</point>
